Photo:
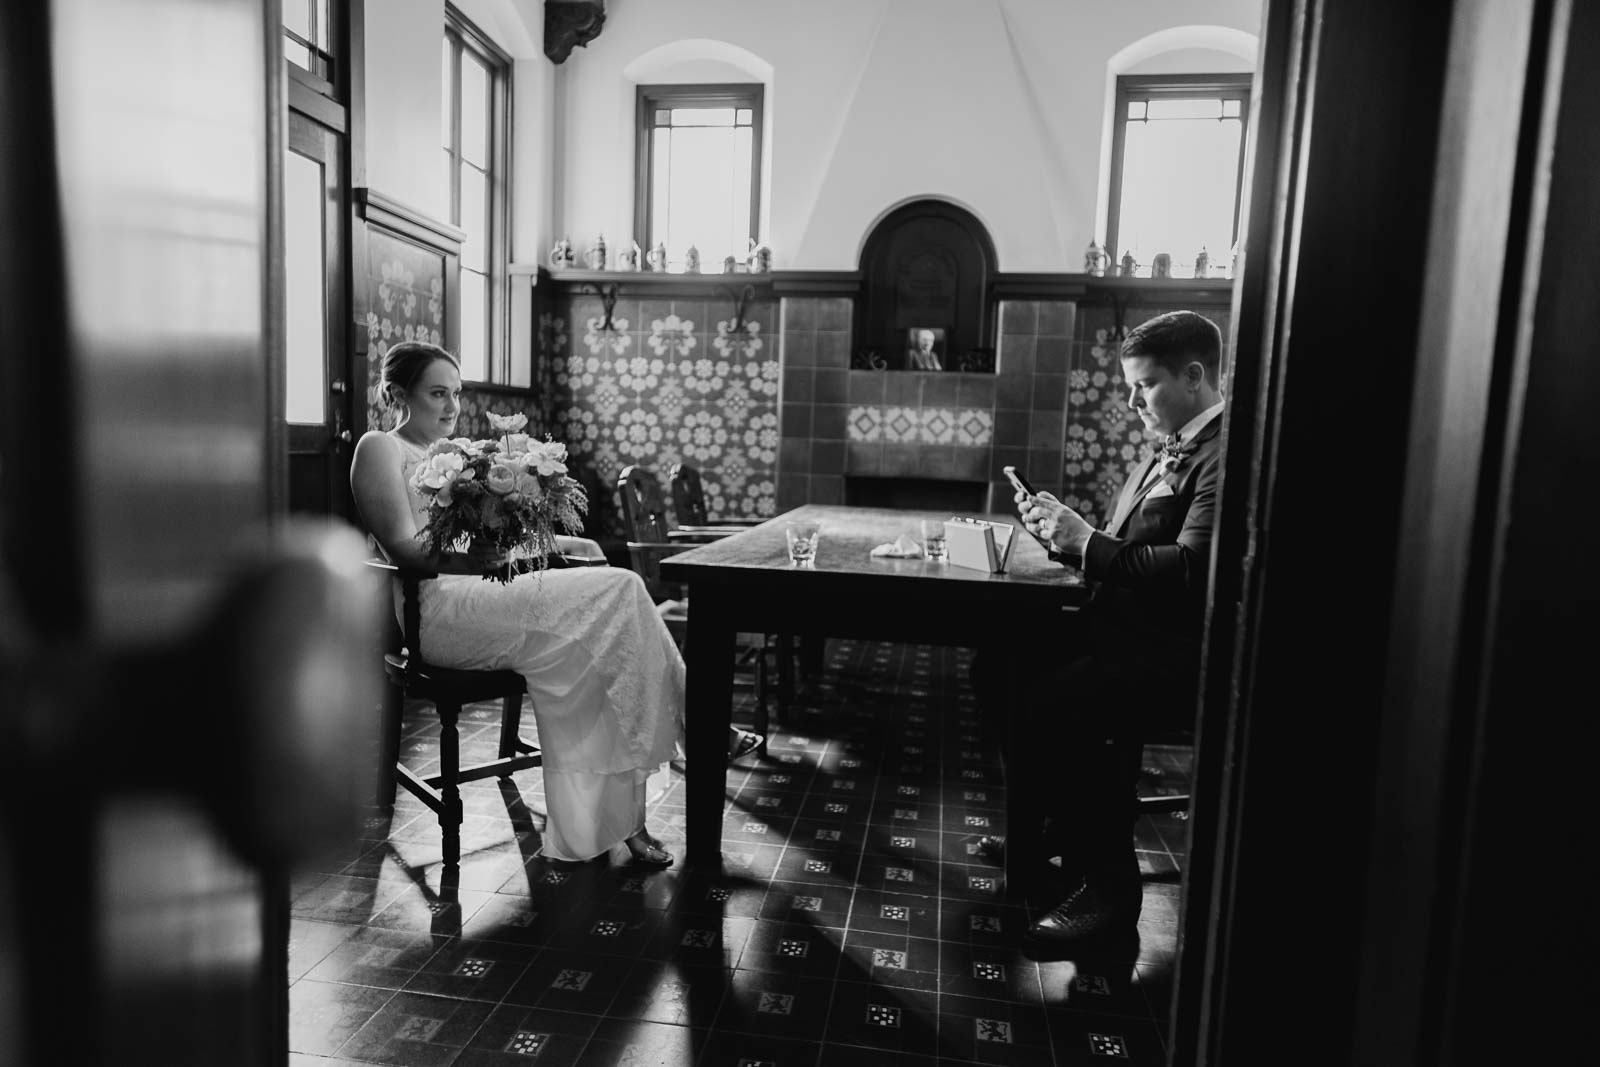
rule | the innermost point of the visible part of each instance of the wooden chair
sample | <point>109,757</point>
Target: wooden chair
<point>689,503</point>
<point>652,538</point>
<point>407,674</point>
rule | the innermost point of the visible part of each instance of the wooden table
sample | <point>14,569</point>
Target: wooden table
<point>745,583</point>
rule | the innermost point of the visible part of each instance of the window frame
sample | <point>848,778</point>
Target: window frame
<point>1133,88</point>
<point>751,95</point>
<point>329,81</point>
<point>466,36</point>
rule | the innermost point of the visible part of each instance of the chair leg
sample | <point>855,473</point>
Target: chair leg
<point>510,724</point>
<point>393,709</point>
<point>449,787</point>
<point>785,675</point>
<point>760,722</point>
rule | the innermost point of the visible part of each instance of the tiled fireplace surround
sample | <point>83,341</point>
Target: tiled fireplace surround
<point>1056,407</point>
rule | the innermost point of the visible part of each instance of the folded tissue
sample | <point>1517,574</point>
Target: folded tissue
<point>903,547</point>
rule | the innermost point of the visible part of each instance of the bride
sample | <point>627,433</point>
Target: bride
<point>605,677</point>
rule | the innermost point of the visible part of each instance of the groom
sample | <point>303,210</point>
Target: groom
<point>1142,628</point>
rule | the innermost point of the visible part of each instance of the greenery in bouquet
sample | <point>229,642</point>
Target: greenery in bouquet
<point>508,496</point>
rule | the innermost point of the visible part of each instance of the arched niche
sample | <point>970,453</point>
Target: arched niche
<point>927,265</point>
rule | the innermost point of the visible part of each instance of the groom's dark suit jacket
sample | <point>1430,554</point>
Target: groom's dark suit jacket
<point>1149,573</point>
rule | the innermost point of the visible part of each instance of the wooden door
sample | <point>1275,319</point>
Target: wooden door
<point>317,388</point>
<point>175,705</point>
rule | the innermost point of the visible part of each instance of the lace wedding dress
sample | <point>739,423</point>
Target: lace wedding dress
<point>605,679</point>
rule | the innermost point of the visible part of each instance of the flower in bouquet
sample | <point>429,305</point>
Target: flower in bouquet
<point>510,495</point>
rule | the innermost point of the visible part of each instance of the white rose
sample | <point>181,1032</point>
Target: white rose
<point>501,479</point>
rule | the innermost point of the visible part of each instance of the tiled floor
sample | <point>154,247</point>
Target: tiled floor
<point>851,924</point>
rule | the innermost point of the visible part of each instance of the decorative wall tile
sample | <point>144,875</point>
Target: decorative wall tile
<point>680,390</point>
<point>865,423</point>
<point>974,427</point>
<point>900,424</point>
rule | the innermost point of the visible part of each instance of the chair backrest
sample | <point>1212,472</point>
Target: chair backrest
<point>644,513</point>
<point>688,496</point>
<point>405,642</point>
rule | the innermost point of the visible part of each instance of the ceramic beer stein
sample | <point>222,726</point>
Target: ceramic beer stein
<point>561,254</point>
<point>691,261</point>
<point>1130,266</point>
<point>1161,266</point>
<point>658,257</point>
<point>628,259</point>
<point>1094,260</point>
<point>1202,263</point>
<point>595,258</point>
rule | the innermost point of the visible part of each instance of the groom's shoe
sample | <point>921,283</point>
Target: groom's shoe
<point>1104,905</point>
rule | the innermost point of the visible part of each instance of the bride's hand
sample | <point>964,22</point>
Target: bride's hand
<point>485,555</point>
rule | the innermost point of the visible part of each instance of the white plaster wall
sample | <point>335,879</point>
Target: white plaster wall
<point>997,105</point>
<point>403,100</point>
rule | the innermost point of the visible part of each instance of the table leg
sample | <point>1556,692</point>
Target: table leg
<point>711,644</point>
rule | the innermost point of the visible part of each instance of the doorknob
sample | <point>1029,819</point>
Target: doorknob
<point>337,386</point>
<point>267,714</point>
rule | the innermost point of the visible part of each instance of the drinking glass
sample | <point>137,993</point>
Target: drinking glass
<point>933,545</point>
<point>802,542</point>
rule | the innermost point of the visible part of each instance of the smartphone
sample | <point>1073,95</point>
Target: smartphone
<point>1022,485</point>
<point>1019,481</point>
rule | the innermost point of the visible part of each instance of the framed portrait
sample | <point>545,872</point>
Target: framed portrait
<point>925,348</point>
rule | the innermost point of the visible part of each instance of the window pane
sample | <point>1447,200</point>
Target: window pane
<point>1230,109</point>
<point>702,116</point>
<point>745,116</point>
<point>474,110</point>
<point>1136,109</point>
<point>1186,109</point>
<point>663,117</point>
<point>1161,212</point>
<point>446,94</point>
<point>701,188</point>
<point>739,219</point>
<point>305,317</point>
<point>660,204</point>
<point>474,217</point>
<point>297,17</point>
<point>321,40</point>
<point>297,53</point>
<point>473,318</point>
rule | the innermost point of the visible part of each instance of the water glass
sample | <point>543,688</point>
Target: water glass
<point>802,542</point>
<point>933,545</point>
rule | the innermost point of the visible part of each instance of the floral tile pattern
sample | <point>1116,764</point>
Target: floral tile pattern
<point>928,425</point>
<point>675,390</point>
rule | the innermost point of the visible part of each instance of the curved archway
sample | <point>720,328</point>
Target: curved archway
<point>926,265</point>
<point>667,60</point>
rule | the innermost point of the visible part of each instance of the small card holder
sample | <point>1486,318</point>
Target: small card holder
<point>980,545</point>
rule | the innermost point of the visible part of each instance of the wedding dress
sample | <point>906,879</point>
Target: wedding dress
<point>603,673</point>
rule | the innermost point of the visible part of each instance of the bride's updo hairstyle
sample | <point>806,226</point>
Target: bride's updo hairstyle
<point>403,365</point>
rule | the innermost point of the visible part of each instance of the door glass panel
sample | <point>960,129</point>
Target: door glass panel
<point>473,294</point>
<point>446,89</point>
<point>305,335</point>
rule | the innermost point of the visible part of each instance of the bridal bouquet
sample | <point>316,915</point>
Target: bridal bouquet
<point>509,495</point>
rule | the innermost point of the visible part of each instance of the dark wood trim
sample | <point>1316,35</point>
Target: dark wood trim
<point>372,206</point>
<point>703,95</point>
<point>314,105</point>
<point>815,283</point>
<point>521,392</point>
<point>273,289</point>
<point>1297,661</point>
<point>356,90</point>
<point>1038,286</point>
<point>651,283</point>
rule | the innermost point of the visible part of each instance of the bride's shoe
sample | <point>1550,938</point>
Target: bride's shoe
<point>744,743</point>
<point>647,851</point>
